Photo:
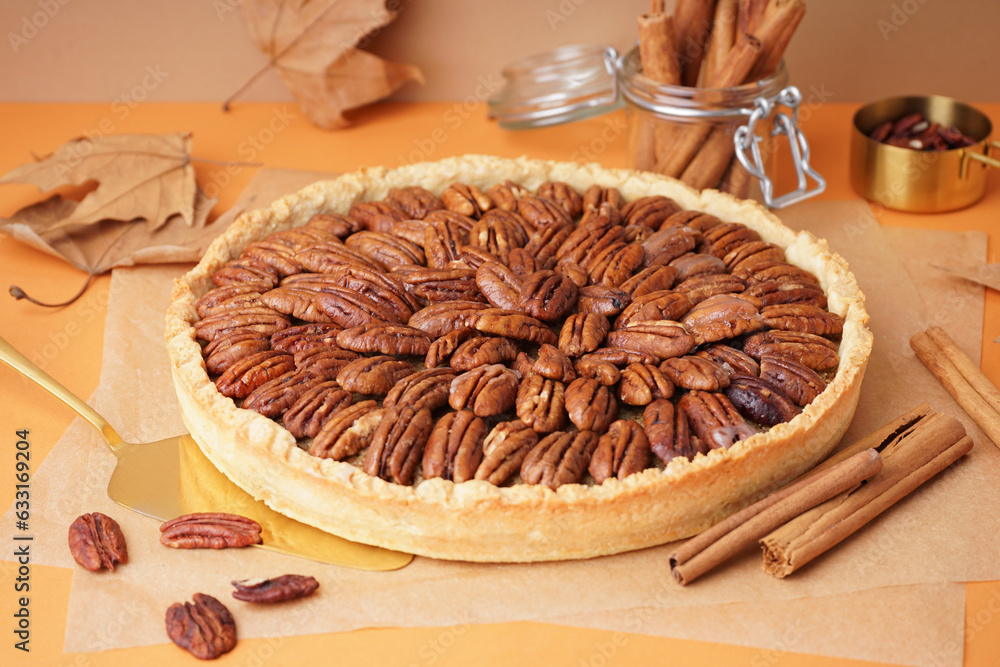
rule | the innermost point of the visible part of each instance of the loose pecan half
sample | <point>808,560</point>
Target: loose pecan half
<point>591,405</point>
<point>455,447</point>
<point>397,339</point>
<point>428,388</point>
<point>313,409</point>
<point>96,541</point>
<point>622,451</point>
<point>559,458</point>
<point>373,375</point>
<point>759,400</point>
<point>209,530</point>
<point>504,450</point>
<point>583,333</point>
<point>541,403</point>
<point>251,372</point>
<point>279,589</point>
<point>347,431</point>
<point>397,447</point>
<point>601,370</point>
<point>810,350</point>
<point>662,339</point>
<point>714,419</point>
<point>443,347</point>
<point>449,284</point>
<point>800,383</point>
<point>694,372</point>
<point>204,628</point>
<point>641,384</point>
<point>486,390</point>
<point>514,325</point>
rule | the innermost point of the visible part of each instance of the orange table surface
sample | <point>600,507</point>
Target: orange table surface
<point>68,342</point>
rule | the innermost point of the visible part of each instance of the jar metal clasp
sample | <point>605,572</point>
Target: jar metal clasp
<point>748,152</point>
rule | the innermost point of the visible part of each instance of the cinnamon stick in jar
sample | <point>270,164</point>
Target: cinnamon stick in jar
<point>657,48</point>
<point>723,37</point>
<point>692,27</point>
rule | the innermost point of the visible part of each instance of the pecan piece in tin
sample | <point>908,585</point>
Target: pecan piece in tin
<point>416,201</point>
<point>397,339</point>
<point>347,308</point>
<point>622,451</point>
<point>733,361</point>
<point>547,296</point>
<point>800,383</point>
<point>486,391</point>
<point>455,447</point>
<point>339,225</point>
<point>377,215</point>
<point>226,350</point>
<point>347,431</point>
<point>721,317</point>
<point>668,432</point>
<point>717,423</point>
<point>651,279</point>
<point>504,450</point>
<point>248,373</point>
<point>428,388</point>
<point>373,375</point>
<point>591,405</point>
<point>279,589</point>
<point>582,333</point>
<point>210,530</point>
<point>662,305</point>
<point>514,325</point>
<point>466,200</point>
<point>397,447</point>
<point>694,372</point>
<point>651,211</point>
<point>274,397</point>
<point>259,319</point>
<point>661,338</point>
<point>810,350</point>
<point>204,628</point>
<point>641,384</point>
<point>559,458</point>
<point>563,194</point>
<point>802,317</point>
<point>304,337</point>
<point>96,541</point>
<point>500,285</point>
<point>759,400</point>
<point>314,408</point>
<point>541,403</point>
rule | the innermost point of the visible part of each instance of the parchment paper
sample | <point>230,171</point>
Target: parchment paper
<point>930,538</point>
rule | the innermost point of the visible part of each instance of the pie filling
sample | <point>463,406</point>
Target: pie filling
<point>544,337</point>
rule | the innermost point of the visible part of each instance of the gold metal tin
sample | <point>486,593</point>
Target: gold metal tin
<point>921,181</point>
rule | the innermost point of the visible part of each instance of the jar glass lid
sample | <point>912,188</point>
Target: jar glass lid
<point>565,84</point>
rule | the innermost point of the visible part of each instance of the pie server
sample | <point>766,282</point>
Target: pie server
<point>171,477</point>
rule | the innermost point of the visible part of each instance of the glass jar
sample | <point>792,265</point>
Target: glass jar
<point>723,138</point>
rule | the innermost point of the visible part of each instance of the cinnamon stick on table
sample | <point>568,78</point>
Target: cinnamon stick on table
<point>731,536</point>
<point>925,449</point>
<point>970,388</point>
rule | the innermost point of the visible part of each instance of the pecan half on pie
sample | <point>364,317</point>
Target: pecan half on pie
<point>515,360</point>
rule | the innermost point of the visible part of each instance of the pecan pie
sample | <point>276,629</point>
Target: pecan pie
<point>515,360</point>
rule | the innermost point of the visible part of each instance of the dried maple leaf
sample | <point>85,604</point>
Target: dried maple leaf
<point>138,176</point>
<point>311,44</point>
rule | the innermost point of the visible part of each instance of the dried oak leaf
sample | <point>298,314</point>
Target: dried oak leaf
<point>147,176</point>
<point>311,44</point>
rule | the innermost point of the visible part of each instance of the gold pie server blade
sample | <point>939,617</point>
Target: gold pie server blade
<point>171,477</point>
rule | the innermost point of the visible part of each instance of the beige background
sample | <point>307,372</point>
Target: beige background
<point>198,50</point>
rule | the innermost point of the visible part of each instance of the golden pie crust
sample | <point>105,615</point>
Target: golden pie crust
<point>475,520</point>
